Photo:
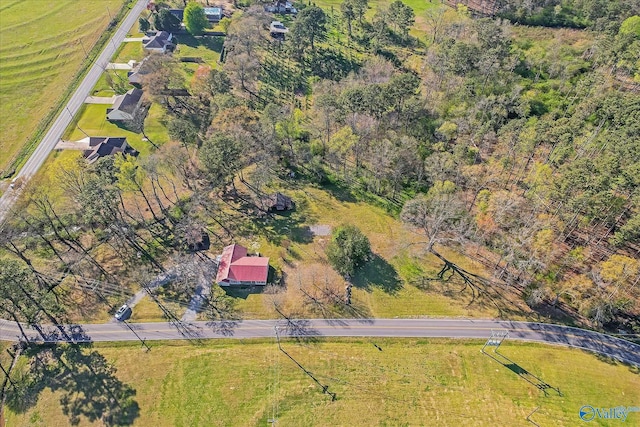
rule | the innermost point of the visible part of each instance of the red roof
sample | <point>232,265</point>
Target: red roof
<point>236,266</point>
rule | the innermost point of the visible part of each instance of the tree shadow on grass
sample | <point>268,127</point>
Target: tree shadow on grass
<point>187,40</point>
<point>242,291</point>
<point>522,373</point>
<point>355,310</point>
<point>86,380</point>
<point>606,359</point>
<point>286,225</point>
<point>378,273</point>
<point>453,281</point>
<point>93,391</point>
<point>331,64</point>
<point>214,43</point>
<point>340,191</point>
<point>634,369</point>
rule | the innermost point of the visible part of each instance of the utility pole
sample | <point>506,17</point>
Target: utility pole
<point>325,388</point>
<point>144,344</point>
<point>495,340</point>
<point>86,55</point>
<point>78,126</point>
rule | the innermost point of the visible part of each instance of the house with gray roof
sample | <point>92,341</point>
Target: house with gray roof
<point>160,42</point>
<point>125,106</point>
<point>138,71</point>
<point>100,146</point>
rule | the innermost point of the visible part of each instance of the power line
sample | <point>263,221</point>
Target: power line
<point>324,387</point>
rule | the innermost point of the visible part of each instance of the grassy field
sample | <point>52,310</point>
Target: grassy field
<point>420,8</point>
<point>42,44</point>
<point>128,51</point>
<point>409,382</point>
<point>399,281</point>
<point>208,49</point>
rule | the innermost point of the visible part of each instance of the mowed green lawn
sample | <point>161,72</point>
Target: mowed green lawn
<point>205,48</point>
<point>41,49</point>
<point>410,382</point>
<point>92,120</point>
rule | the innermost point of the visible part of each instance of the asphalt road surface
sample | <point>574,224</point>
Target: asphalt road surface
<point>56,130</point>
<point>398,328</point>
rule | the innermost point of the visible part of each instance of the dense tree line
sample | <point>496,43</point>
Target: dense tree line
<point>602,15</point>
<point>523,142</point>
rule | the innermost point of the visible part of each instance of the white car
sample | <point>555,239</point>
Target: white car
<point>277,28</point>
<point>123,313</point>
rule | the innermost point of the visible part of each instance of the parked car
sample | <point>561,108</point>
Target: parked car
<point>123,313</point>
<point>277,28</point>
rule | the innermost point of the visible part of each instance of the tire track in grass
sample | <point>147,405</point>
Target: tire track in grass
<point>37,18</point>
<point>70,37</point>
<point>42,71</point>
<point>52,59</point>
<point>9,5</point>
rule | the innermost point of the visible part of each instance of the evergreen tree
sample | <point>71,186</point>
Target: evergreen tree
<point>349,249</point>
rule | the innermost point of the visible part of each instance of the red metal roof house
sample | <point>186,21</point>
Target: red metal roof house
<point>236,268</point>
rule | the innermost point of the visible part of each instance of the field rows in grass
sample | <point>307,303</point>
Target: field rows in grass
<point>41,48</point>
<point>407,382</point>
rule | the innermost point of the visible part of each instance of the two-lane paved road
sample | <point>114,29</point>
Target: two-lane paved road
<point>398,328</point>
<point>56,130</point>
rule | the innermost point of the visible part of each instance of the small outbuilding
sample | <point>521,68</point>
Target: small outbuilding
<point>213,14</point>
<point>281,6</point>
<point>278,202</point>
<point>277,29</point>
